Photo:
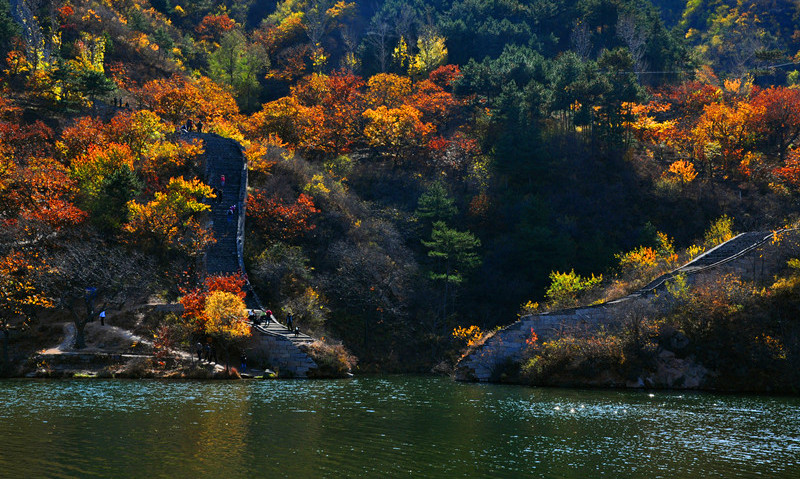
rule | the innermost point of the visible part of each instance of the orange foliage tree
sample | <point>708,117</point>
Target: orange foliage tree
<point>399,132</point>
<point>445,75</point>
<point>726,126</point>
<point>278,117</point>
<point>77,139</point>
<point>175,99</point>
<point>155,154</point>
<point>279,220</point>
<point>49,195</point>
<point>436,104</point>
<point>388,90</point>
<point>732,127</point>
<point>226,320</point>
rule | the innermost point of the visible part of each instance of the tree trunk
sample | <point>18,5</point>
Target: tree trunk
<point>80,336</point>
<point>80,327</point>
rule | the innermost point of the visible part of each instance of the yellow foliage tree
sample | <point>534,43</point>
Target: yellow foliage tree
<point>432,53</point>
<point>720,231</point>
<point>99,162</point>
<point>168,222</point>
<point>226,320</point>
<point>400,54</point>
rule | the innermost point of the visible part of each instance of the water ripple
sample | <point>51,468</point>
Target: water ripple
<point>387,427</point>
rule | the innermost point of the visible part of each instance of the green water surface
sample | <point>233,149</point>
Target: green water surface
<point>396,426</point>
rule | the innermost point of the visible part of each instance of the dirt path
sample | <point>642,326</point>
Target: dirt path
<point>118,334</point>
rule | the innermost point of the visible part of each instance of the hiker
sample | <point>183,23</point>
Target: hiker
<point>230,214</point>
<point>189,124</point>
<point>199,125</point>
<point>289,322</point>
<point>243,360</point>
<point>207,350</point>
<point>222,180</point>
<point>199,350</point>
<point>103,317</point>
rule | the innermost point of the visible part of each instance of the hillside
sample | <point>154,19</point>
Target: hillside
<point>414,167</point>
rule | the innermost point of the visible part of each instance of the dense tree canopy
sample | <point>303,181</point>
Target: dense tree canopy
<point>414,165</point>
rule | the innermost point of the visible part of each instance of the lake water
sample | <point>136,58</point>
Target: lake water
<point>397,426</point>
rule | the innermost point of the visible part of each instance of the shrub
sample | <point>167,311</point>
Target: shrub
<point>565,288</point>
<point>528,309</point>
<point>333,360</point>
<point>571,356</point>
<point>719,232</point>
<point>469,335</point>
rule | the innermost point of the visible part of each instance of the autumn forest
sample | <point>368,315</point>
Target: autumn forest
<point>418,170</point>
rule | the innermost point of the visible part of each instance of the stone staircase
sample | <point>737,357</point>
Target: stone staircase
<point>274,328</point>
<point>744,254</point>
<point>224,157</point>
<point>272,341</point>
<point>281,349</point>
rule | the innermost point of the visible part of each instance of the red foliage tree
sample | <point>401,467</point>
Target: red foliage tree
<point>233,284</point>
<point>778,118</point>
<point>212,27</point>
<point>280,220</point>
<point>445,75</point>
<point>790,171</point>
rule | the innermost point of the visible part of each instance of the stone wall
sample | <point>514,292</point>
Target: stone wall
<point>757,264</point>
<point>281,355</point>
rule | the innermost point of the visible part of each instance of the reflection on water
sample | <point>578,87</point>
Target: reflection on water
<point>395,426</point>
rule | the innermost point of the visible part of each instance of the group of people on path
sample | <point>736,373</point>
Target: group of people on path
<point>118,103</point>
<point>231,213</point>
<point>192,126</point>
<point>218,190</point>
<point>205,352</point>
<point>257,316</point>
